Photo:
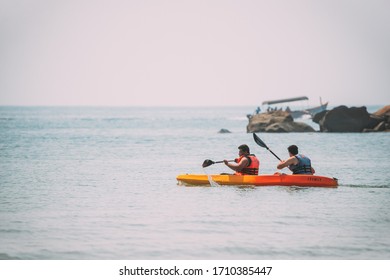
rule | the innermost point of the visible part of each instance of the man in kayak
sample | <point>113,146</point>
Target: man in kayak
<point>246,164</point>
<point>297,163</point>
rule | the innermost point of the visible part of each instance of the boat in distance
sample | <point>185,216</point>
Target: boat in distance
<point>294,113</point>
<point>277,179</point>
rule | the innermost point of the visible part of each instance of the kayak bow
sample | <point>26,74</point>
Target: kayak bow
<point>261,180</point>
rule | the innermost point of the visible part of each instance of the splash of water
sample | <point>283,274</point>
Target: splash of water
<point>212,182</point>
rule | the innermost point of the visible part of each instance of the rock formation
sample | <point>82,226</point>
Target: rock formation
<point>384,117</point>
<point>224,130</point>
<point>276,121</point>
<point>353,119</point>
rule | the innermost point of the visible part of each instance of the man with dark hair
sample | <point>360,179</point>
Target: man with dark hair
<point>297,163</point>
<point>246,164</point>
<point>244,148</point>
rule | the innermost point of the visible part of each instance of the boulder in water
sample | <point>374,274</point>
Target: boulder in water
<point>353,119</point>
<point>276,121</point>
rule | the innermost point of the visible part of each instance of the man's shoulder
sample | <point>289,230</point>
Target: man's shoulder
<point>293,159</point>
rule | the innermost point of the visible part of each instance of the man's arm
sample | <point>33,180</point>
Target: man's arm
<point>289,161</point>
<point>237,166</point>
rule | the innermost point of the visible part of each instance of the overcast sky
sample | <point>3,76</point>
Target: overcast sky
<point>194,52</point>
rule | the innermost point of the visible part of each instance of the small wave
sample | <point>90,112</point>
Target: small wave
<point>367,186</point>
<point>14,231</point>
<point>4,256</point>
<point>121,119</point>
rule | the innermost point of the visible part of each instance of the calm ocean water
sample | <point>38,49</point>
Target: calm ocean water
<point>99,183</point>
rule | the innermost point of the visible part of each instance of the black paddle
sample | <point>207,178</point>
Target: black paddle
<point>209,162</point>
<point>262,144</point>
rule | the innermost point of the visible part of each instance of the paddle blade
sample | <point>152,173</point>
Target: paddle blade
<point>262,144</point>
<point>259,141</point>
<point>207,162</point>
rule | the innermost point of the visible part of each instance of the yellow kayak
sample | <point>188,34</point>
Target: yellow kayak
<point>261,180</point>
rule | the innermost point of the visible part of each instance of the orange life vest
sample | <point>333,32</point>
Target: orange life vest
<point>252,168</point>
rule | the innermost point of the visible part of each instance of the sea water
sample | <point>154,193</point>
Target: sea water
<point>100,183</point>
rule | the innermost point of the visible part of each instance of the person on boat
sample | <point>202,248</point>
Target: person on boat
<point>297,163</point>
<point>246,163</point>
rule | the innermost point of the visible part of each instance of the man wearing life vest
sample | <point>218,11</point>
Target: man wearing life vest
<point>297,163</point>
<point>246,164</point>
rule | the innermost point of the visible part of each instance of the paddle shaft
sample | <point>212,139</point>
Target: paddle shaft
<point>262,144</point>
<point>221,161</point>
<point>209,162</point>
<point>274,154</point>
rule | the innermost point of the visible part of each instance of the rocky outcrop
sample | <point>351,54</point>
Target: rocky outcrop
<point>384,112</point>
<point>353,119</point>
<point>224,130</point>
<point>276,121</point>
<point>383,115</point>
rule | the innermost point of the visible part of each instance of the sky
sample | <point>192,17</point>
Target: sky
<point>193,52</point>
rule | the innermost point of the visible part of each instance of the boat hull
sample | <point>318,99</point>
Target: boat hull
<point>261,180</point>
<point>311,111</point>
